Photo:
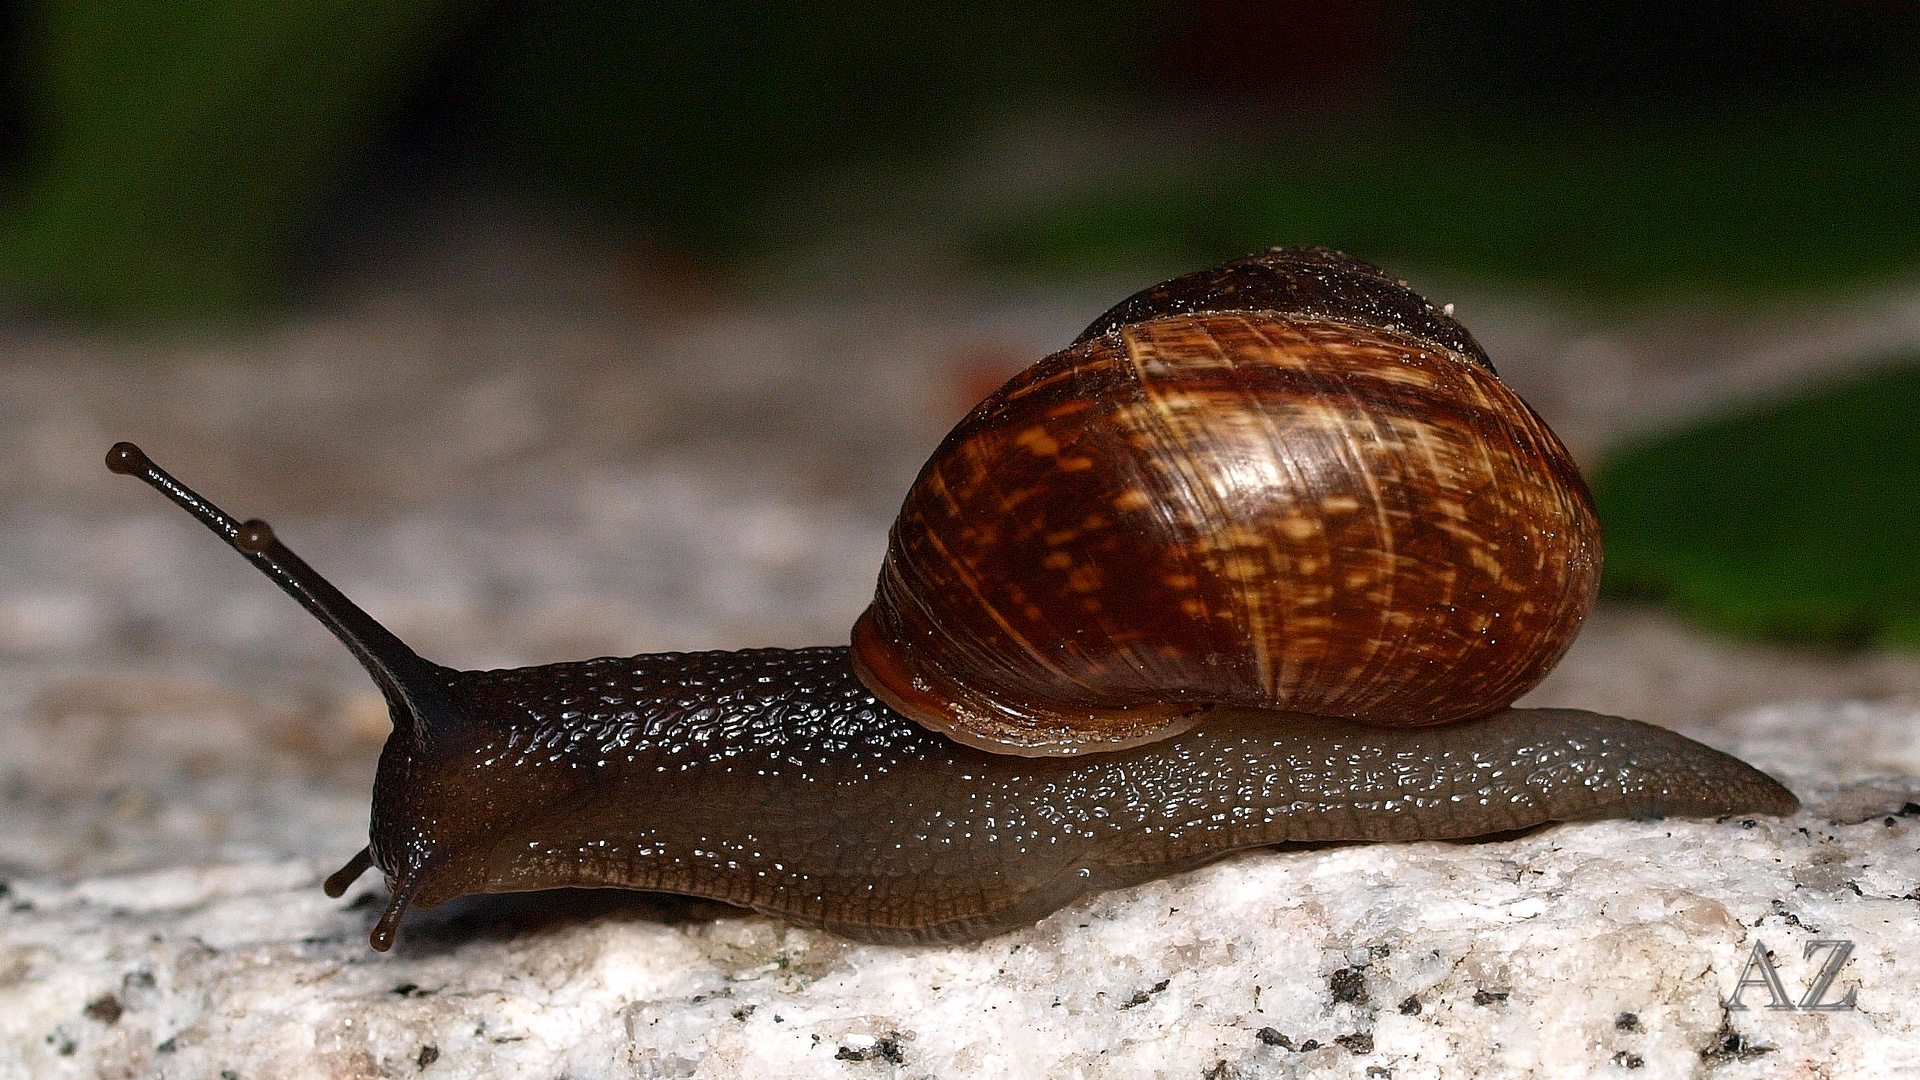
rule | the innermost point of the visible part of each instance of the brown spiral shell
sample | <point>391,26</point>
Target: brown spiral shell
<point>1286,483</point>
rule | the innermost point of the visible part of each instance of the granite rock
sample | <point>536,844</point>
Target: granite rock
<point>1595,949</point>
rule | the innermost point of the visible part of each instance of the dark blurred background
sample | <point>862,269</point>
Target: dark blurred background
<point>177,160</point>
<point>197,162</point>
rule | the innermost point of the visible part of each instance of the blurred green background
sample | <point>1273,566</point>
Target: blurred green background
<point>167,159</point>
<point>174,163</point>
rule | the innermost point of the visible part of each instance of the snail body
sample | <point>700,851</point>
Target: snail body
<point>1070,678</point>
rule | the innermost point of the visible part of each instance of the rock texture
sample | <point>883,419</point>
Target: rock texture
<point>1578,950</point>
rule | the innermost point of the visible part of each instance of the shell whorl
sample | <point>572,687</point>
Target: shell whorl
<point>1199,507</point>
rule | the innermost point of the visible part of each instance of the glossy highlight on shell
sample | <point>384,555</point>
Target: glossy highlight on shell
<point>1317,513</point>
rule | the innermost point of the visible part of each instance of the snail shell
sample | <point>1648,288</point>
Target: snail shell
<point>1286,483</point>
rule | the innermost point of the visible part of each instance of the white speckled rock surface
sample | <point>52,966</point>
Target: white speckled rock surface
<point>527,466</point>
<point>1575,951</point>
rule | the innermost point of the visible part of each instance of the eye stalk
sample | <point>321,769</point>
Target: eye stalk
<point>409,682</point>
<point>424,714</point>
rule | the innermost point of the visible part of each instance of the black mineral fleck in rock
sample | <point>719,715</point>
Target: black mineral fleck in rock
<point>1348,985</point>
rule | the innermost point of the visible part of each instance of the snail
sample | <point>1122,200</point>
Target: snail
<point>1263,557</point>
